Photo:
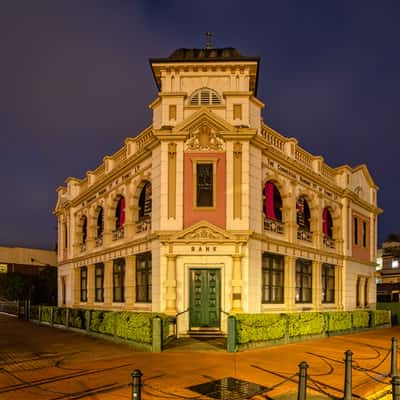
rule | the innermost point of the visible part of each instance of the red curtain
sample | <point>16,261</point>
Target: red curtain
<point>122,212</point>
<point>325,225</point>
<point>269,200</point>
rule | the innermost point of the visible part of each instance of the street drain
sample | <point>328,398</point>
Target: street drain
<point>229,389</point>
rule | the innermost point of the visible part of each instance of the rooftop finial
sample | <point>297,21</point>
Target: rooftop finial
<point>208,40</point>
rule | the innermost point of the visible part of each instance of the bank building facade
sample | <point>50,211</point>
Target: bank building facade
<point>209,211</point>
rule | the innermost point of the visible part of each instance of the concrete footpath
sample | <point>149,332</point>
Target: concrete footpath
<point>40,362</point>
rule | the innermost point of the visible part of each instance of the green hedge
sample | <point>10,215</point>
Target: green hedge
<point>381,317</point>
<point>265,327</point>
<point>102,322</point>
<point>260,327</point>
<point>77,318</point>
<point>306,323</point>
<point>139,326</point>
<point>59,316</point>
<point>45,313</point>
<point>338,321</point>
<point>360,319</point>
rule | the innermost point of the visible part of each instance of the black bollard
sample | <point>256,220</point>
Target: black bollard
<point>393,368</point>
<point>396,388</point>
<point>347,375</point>
<point>136,384</point>
<point>302,389</point>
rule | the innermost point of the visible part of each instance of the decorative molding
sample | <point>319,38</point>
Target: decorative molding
<point>204,138</point>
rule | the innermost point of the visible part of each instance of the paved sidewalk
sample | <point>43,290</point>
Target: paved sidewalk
<point>44,363</point>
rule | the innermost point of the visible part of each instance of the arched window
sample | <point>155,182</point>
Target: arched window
<point>100,223</point>
<point>327,223</point>
<point>84,229</point>
<point>303,214</point>
<point>272,202</point>
<point>205,96</point>
<point>145,202</point>
<point>120,213</point>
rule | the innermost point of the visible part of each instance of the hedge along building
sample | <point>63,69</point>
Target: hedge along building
<point>210,211</point>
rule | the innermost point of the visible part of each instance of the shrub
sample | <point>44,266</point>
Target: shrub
<point>77,318</point>
<point>46,313</point>
<point>338,321</point>
<point>307,323</point>
<point>360,319</point>
<point>59,315</point>
<point>260,327</point>
<point>135,326</point>
<point>380,317</point>
<point>102,322</point>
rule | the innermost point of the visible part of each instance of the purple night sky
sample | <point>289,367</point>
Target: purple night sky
<point>75,82</point>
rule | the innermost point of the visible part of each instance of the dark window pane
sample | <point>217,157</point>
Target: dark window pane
<point>118,280</point>
<point>272,278</point>
<point>303,281</point>
<point>204,185</point>
<point>143,278</point>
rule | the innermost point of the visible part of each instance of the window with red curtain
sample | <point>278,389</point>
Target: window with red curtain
<point>272,202</point>
<point>120,212</point>
<point>327,222</point>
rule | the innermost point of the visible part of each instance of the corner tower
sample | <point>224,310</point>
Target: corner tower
<point>221,79</point>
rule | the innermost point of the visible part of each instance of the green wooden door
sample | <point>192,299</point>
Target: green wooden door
<point>205,298</point>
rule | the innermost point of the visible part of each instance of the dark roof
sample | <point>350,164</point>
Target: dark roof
<point>224,54</point>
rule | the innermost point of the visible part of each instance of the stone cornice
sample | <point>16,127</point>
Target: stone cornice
<point>122,246</point>
<point>108,178</point>
<point>295,246</point>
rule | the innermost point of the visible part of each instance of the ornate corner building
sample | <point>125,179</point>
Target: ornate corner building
<point>210,211</point>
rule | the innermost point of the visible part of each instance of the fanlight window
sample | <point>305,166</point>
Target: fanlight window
<point>205,97</point>
<point>145,202</point>
<point>272,202</point>
<point>327,223</point>
<point>303,214</point>
<point>120,213</point>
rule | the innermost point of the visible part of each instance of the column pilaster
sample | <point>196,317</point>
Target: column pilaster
<point>316,285</point>
<point>171,285</point>
<point>130,278</point>
<point>108,282</point>
<point>339,287</point>
<point>90,283</point>
<point>237,284</point>
<point>290,282</point>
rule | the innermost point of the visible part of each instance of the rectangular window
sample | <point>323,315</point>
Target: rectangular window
<point>99,282</point>
<point>83,271</point>
<point>172,112</point>
<point>204,184</point>
<point>143,278</point>
<point>272,278</point>
<point>355,230</point>
<point>328,283</point>
<point>303,281</point>
<point>118,280</point>
<point>364,234</point>
<point>237,111</point>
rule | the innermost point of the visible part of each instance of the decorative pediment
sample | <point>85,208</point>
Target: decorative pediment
<point>204,138</point>
<point>203,231</point>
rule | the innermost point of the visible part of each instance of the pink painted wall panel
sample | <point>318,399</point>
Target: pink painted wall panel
<point>191,215</point>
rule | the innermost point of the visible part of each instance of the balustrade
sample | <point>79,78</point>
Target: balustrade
<point>273,226</point>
